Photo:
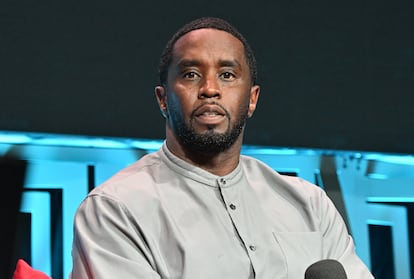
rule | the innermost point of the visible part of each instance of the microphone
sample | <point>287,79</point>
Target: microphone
<point>325,269</point>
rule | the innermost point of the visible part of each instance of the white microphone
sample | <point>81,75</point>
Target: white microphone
<point>325,269</point>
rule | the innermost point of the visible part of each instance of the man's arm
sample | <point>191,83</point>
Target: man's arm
<point>108,243</point>
<point>337,242</point>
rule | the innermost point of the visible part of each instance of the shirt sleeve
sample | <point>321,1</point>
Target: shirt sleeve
<point>108,243</point>
<point>337,243</point>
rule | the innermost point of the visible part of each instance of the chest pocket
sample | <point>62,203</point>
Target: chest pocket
<point>301,249</point>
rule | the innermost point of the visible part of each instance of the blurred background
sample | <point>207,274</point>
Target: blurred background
<point>337,80</point>
<point>334,74</point>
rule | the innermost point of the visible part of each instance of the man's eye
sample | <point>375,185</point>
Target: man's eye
<point>190,75</point>
<point>227,75</point>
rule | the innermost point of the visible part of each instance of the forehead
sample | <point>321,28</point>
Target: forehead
<point>208,43</point>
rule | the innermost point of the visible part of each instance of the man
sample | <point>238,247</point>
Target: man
<point>197,208</point>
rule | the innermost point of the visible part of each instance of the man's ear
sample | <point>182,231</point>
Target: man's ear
<point>160,93</point>
<point>254,97</point>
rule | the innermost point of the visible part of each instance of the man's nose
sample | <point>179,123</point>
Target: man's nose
<point>210,88</point>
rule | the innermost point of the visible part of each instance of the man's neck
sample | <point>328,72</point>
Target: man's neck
<point>219,164</point>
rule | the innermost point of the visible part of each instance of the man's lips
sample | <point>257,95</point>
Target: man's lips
<point>209,110</point>
<point>210,114</point>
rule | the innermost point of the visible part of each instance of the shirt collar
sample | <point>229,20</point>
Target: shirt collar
<point>198,174</point>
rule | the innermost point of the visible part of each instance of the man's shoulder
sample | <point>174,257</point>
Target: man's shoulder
<point>133,176</point>
<point>258,170</point>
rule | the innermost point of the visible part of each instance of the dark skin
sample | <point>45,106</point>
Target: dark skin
<point>208,88</point>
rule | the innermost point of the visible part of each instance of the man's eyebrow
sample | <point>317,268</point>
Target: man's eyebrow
<point>229,63</point>
<point>188,63</point>
<point>222,63</point>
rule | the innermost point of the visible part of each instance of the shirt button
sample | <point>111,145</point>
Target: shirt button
<point>252,248</point>
<point>232,206</point>
<point>223,181</point>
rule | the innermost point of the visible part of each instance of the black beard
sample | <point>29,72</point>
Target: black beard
<point>210,142</point>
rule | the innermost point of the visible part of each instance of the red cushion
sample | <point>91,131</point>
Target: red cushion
<point>25,271</point>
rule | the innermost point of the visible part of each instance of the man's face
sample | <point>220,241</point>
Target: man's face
<point>209,93</point>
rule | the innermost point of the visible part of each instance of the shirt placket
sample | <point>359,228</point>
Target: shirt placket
<point>234,206</point>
